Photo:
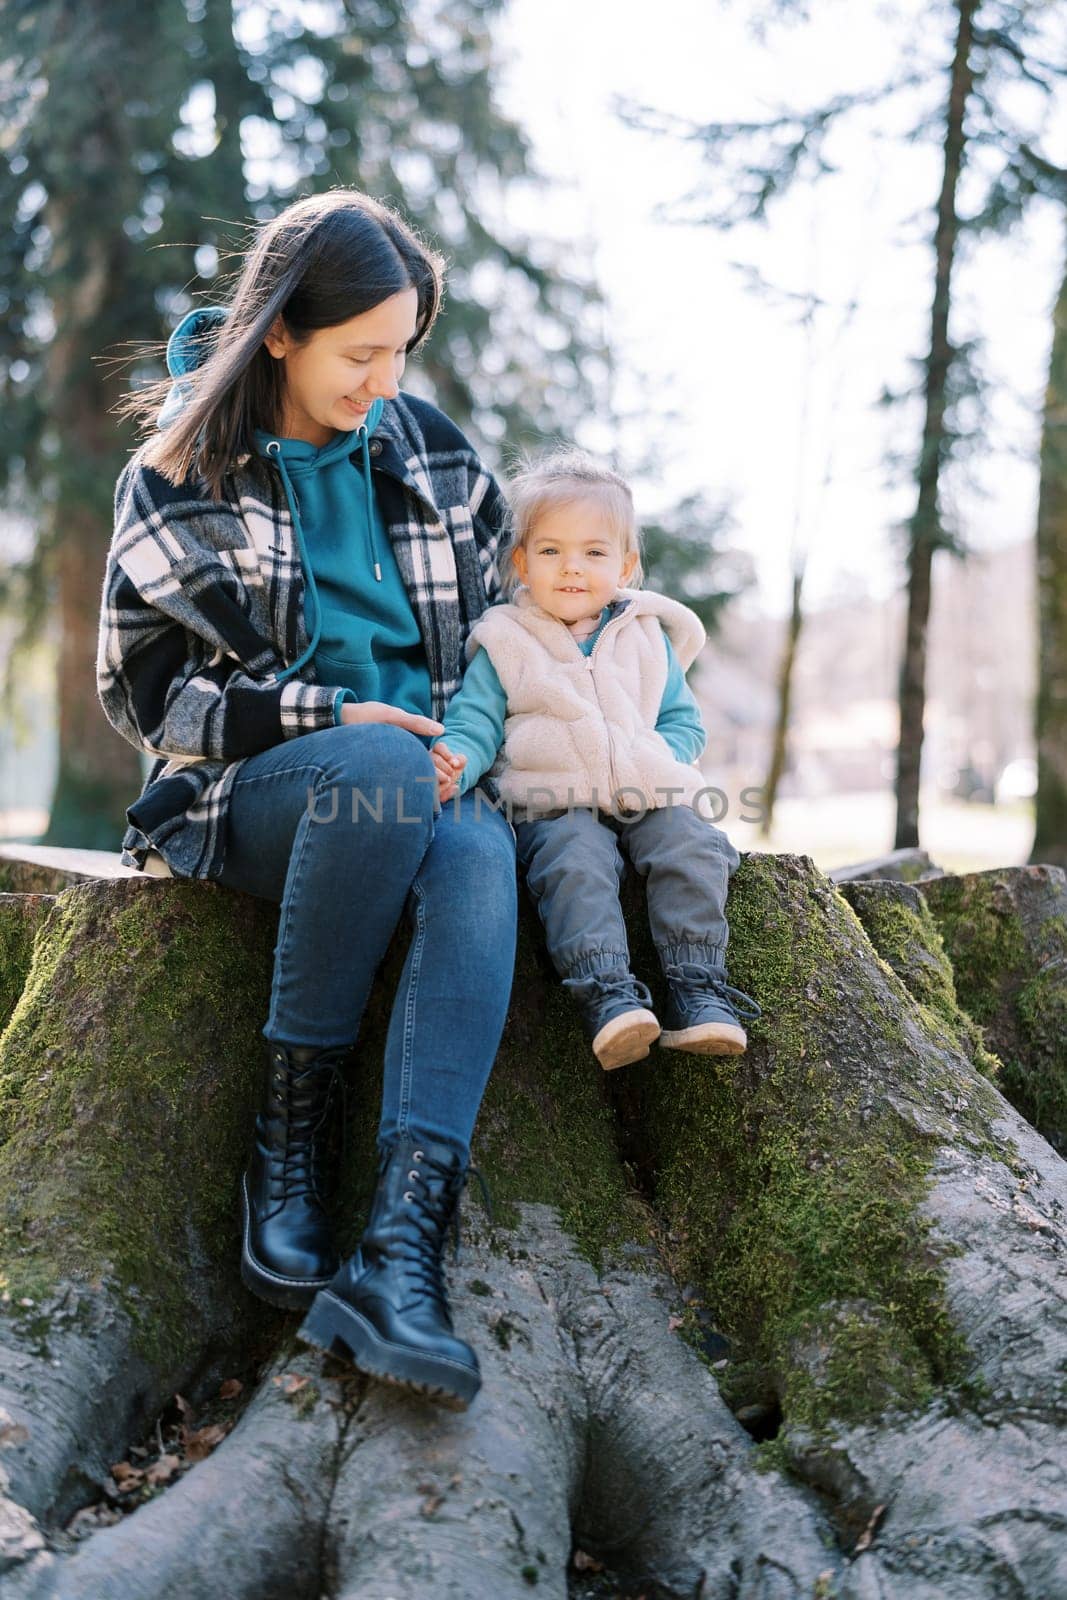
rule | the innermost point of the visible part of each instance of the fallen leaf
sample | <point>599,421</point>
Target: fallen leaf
<point>127,1477</point>
<point>230,1389</point>
<point>184,1408</point>
<point>163,1470</point>
<point>198,1443</point>
<point>674,1323</point>
<point>290,1382</point>
<point>13,1433</point>
<point>586,1563</point>
<point>431,1504</point>
<point>864,1540</point>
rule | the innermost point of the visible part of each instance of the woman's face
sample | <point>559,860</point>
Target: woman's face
<point>332,379</point>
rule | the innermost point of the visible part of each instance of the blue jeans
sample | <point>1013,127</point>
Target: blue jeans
<point>575,867</point>
<point>342,828</point>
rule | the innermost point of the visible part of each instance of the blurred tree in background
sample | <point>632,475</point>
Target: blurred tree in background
<point>965,81</point>
<point>138,141</point>
<point>677,549</point>
<point>1050,832</point>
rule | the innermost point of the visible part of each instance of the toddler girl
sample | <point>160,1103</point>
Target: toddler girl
<point>575,703</point>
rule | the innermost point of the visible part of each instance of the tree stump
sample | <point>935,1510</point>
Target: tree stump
<point>790,1324</point>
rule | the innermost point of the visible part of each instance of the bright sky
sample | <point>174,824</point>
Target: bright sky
<point>748,404</point>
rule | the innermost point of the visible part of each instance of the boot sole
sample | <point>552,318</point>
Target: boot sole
<point>339,1329</point>
<point>707,1039</point>
<point>288,1294</point>
<point>625,1039</point>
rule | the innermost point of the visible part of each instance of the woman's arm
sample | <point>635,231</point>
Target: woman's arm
<point>181,671</point>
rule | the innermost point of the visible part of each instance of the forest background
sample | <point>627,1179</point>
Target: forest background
<point>795,268</point>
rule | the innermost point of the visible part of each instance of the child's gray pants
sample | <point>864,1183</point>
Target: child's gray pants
<point>574,868</point>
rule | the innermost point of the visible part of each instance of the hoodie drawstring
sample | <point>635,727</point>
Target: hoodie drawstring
<point>274,450</point>
<point>375,563</point>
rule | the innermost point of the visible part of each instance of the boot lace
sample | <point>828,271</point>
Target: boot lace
<point>308,1098</point>
<point>695,981</point>
<point>610,986</point>
<point>436,1211</point>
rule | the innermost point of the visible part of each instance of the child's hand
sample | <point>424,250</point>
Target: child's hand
<point>448,767</point>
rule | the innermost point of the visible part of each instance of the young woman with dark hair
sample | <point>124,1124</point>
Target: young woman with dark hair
<point>299,554</point>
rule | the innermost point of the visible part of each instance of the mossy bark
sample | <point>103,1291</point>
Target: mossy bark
<point>1005,933</point>
<point>900,926</point>
<point>20,917</point>
<point>845,1202</point>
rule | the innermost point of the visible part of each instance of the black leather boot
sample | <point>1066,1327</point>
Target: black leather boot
<point>387,1310</point>
<point>288,1252</point>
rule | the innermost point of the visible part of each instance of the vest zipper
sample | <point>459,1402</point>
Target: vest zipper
<point>589,661</point>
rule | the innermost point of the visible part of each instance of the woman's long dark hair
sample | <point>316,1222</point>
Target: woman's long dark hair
<point>323,260</point>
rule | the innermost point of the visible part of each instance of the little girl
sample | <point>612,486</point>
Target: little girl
<point>575,703</point>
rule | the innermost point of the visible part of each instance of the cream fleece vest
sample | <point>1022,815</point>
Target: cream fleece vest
<point>581,730</point>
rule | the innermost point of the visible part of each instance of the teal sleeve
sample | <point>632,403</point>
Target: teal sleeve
<point>338,701</point>
<point>474,720</point>
<point>679,719</point>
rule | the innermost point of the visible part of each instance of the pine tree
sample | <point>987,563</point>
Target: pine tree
<point>175,126</point>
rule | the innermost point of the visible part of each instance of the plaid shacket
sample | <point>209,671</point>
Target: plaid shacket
<point>203,616</point>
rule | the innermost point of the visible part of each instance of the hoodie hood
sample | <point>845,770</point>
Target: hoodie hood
<point>187,348</point>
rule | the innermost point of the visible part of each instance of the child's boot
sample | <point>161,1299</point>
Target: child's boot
<point>704,1012</point>
<point>616,1014</point>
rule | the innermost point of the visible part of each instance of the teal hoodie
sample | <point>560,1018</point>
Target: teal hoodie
<point>363,633</point>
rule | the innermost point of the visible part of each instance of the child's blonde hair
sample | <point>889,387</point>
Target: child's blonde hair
<point>559,479</point>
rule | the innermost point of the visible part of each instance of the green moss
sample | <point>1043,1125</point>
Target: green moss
<point>20,917</point>
<point>1041,1085</point>
<point>125,1080</point>
<point>900,926</point>
<point>1008,948</point>
<point>304,1401</point>
<point>983,938</point>
<point>547,1130</point>
<point>792,1184</point>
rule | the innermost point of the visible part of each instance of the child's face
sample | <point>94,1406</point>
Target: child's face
<point>334,377</point>
<point>572,562</point>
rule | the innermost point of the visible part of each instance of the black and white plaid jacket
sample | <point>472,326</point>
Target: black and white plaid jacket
<point>203,610</point>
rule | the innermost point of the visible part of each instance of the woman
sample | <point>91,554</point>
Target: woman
<point>299,554</point>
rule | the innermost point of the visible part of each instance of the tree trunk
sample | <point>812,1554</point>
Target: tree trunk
<point>785,695</point>
<point>926,531</point>
<point>98,771</point>
<point>1050,838</point>
<point>846,1238</point>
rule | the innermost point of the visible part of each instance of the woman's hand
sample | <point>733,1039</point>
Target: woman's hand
<point>449,767</point>
<point>379,711</point>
